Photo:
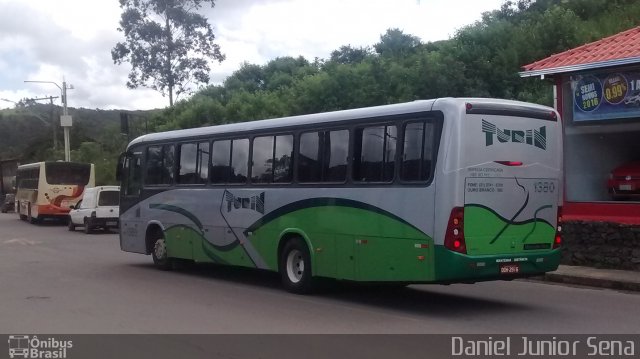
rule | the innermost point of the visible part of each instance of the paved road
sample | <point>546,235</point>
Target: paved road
<point>55,281</point>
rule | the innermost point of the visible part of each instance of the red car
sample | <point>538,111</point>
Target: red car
<point>624,181</point>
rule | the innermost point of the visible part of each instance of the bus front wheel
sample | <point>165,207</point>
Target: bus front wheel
<point>159,254</point>
<point>295,267</point>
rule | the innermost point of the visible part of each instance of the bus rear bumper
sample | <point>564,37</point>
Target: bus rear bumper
<point>52,210</point>
<point>452,267</point>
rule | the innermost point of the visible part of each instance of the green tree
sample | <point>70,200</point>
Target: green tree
<point>248,77</point>
<point>103,161</point>
<point>396,43</point>
<point>167,43</point>
<point>350,55</point>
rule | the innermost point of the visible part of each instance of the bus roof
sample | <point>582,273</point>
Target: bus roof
<point>316,118</point>
<point>324,117</point>
<point>37,164</point>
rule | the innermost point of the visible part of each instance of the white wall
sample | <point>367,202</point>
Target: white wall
<point>591,152</point>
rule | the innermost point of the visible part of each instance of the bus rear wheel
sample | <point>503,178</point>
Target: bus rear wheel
<point>32,219</point>
<point>160,255</point>
<point>22,216</point>
<point>295,267</point>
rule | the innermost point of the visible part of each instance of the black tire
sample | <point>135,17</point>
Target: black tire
<point>87,226</point>
<point>159,254</point>
<point>4,209</point>
<point>22,216</point>
<point>295,267</point>
<point>70,225</point>
<point>32,219</point>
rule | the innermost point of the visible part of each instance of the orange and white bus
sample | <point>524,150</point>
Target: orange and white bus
<point>48,189</point>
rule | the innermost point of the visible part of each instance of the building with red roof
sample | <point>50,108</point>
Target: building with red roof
<point>597,92</point>
<point>613,51</point>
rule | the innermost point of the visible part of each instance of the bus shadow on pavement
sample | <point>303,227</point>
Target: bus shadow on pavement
<point>45,223</point>
<point>415,300</point>
<point>423,300</point>
<point>236,275</point>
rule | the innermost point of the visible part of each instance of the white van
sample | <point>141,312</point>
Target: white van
<point>97,209</point>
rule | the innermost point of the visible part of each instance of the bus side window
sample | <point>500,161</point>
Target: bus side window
<point>133,172</point>
<point>169,164</point>
<point>323,156</point>
<point>154,166</point>
<point>194,163</point>
<point>334,166</point>
<point>310,157</point>
<point>220,158</point>
<point>417,151</point>
<point>230,161</point>
<point>160,165</point>
<point>262,160</point>
<point>239,161</point>
<point>375,152</point>
<point>283,154</point>
<point>271,159</point>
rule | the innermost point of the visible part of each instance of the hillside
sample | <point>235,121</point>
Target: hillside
<point>25,132</point>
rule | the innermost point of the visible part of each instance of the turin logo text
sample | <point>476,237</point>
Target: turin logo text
<point>255,203</point>
<point>534,137</point>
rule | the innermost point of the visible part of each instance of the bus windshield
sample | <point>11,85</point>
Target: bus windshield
<point>67,173</point>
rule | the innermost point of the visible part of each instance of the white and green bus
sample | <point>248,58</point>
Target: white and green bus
<point>431,191</point>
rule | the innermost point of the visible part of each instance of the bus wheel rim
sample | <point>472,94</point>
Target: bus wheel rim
<point>160,249</point>
<point>295,266</point>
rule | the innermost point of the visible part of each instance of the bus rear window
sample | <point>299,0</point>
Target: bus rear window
<point>67,173</point>
<point>28,178</point>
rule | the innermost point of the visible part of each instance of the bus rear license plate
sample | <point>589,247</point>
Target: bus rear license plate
<point>511,268</point>
<point>112,223</point>
<point>626,187</point>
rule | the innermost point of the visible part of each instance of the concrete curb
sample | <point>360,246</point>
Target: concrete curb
<point>594,277</point>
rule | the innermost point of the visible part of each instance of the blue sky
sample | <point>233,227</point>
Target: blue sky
<point>48,40</point>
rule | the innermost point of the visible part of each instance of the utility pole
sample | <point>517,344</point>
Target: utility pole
<point>65,119</point>
<point>53,124</point>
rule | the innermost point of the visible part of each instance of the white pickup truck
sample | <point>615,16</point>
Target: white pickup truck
<point>99,208</point>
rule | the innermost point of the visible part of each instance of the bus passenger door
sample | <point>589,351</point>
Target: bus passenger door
<point>131,230</point>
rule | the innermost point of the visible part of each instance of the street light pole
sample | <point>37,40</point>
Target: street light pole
<point>65,119</point>
<point>55,135</point>
<point>67,145</point>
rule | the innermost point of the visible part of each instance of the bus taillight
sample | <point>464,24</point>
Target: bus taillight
<point>557,242</point>
<point>454,238</point>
